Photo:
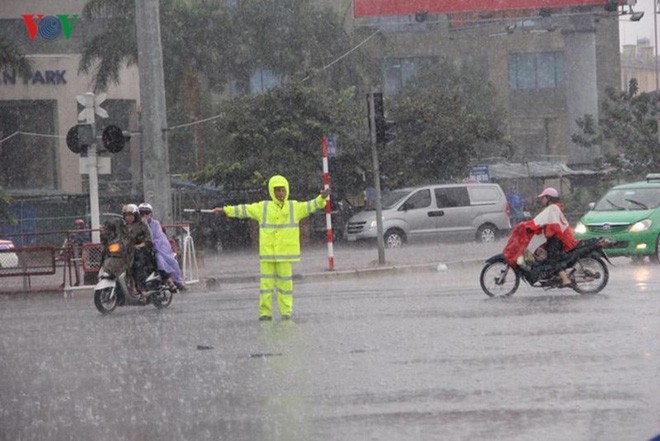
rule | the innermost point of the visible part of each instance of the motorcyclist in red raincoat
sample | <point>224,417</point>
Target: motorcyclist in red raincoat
<point>552,222</point>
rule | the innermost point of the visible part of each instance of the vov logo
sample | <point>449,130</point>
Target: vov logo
<point>50,27</point>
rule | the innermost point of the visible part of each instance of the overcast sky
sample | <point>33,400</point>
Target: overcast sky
<point>630,31</point>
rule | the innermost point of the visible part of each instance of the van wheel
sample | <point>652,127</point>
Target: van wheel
<point>487,233</point>
<point>394,238</point>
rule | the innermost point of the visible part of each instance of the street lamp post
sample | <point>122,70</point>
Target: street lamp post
<point>655,42</point>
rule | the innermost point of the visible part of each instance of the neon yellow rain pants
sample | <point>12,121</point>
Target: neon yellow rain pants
<point>276,277</point>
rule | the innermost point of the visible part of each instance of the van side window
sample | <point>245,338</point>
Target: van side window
<point>419,199</point>
<point>452,197</point>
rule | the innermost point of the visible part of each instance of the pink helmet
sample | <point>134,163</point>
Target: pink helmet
<point>551,192</point>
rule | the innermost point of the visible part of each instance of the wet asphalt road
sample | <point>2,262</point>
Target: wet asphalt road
<point>424,356</point>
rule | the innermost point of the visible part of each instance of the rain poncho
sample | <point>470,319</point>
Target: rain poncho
<point>551,222</point>
<point>164,254</point>
<point>279,231</point>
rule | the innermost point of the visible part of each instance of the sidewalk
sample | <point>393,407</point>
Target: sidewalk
<point>350,259</point>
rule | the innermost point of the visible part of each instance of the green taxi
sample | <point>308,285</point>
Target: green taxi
<point>629,215</point>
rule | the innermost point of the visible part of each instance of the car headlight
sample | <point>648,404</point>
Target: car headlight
<point>640,226</point>
<point>373,224</point>
<point>580,228</point>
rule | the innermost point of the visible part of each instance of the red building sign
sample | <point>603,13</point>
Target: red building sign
<point>378,8</point>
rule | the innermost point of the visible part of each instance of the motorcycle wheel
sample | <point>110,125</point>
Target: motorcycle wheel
<point>105,300</point>
<point>498,279</point>
<point>163,298</point>
<point>590,275</point>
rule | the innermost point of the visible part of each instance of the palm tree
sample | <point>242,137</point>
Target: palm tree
<point>12,59</point>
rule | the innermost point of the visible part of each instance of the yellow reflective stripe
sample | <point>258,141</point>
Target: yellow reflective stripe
<point>264,225</point>
<point>240,210</point>
<point>280,257</point>
<point>274,276</point>
<point>309,206</point>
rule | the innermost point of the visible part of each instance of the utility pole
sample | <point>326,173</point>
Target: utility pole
<point>153,118</point>
<point>376,168</point>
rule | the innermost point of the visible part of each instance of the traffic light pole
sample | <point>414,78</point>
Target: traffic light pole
<point>376,171</point>
<point>92,170</point>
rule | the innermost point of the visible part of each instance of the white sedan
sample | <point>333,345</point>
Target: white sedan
<point>7,259</point>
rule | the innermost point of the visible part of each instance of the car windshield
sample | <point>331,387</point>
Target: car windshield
<point>391,198</point>
<point>629,199</point>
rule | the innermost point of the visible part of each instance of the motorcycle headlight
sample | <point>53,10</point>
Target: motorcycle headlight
<point>580,228</point>
<point>114,247</point>
<point>640,226</point>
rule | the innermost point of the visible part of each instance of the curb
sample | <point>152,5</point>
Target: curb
<point>356,273</point>
<point>213,281</point>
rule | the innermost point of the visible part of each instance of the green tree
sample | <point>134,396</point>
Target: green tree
<point>446,118</point>
<point>627,130</point>
<point>279,132</point>
<point>11,58</point>
<point>5,214</point>
<point>211,47</point>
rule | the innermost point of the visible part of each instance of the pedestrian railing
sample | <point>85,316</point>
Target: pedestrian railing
<point>27,262</point>
<point>34,262</point>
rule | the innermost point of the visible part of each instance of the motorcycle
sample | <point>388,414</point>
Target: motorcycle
<point>112,288</point>
<point>585,265</point>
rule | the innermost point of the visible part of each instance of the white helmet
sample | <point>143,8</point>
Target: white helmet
<point>130,208</point>
<point>145,208</point>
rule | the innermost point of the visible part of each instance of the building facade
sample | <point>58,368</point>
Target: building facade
<point>37,112</point>
<point>639,61</point>
<point>550,66</point>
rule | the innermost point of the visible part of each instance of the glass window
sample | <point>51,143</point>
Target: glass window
<point>262,80</point>
<point>452,197</point>
<point>629,199</point>
<point>420,199</point>
<point>390,199</point>
<point>528,71</point>
<point>399,71</point>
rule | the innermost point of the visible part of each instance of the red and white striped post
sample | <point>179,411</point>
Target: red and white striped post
<point>328,205</point>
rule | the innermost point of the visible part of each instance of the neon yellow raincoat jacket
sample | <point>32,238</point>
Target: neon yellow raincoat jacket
<point>279,230</point>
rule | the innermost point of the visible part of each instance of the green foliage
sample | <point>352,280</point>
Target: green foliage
<point>5,214</point>
<point>279,132</point>
<point>12,59</point>
<point>105,54</point>
<point>627,130</point>
<point>446,118</point>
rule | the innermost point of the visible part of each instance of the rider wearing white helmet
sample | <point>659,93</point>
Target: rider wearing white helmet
<point>164,253</point>
<point>552,222</point>
<point>141,243</point>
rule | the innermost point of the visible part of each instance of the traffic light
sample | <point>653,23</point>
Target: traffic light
<point>114,139</point>
<point>384,128</point>
<point>79,137</point>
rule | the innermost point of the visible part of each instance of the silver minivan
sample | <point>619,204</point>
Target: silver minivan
<point>452,211</point>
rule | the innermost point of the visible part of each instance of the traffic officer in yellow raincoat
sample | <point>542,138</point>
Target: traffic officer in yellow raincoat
<point>279,241</point>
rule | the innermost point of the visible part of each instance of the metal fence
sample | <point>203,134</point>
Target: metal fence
<point>26,268</point>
